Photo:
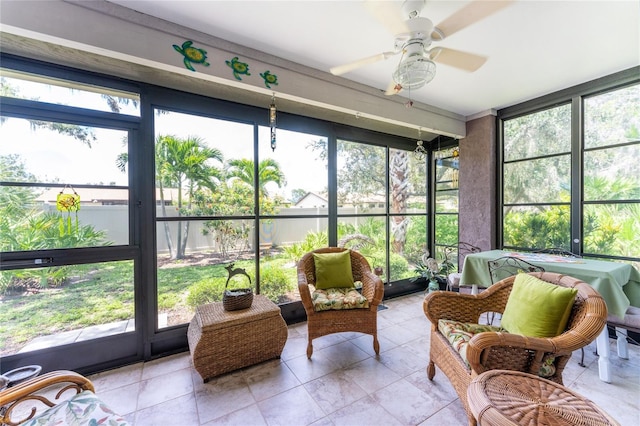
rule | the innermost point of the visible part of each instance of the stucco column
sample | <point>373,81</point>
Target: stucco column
<point>477,183</point>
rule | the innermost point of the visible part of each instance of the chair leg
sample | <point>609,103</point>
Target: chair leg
<point>376,345</point>
<point>623,349</point>
<point>309,349</point>
<point>431,370</point>
<point>581,363</point>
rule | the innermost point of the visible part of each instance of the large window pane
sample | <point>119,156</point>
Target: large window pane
<point>199,275</point>
<point>612,229</point>
<point>283,243</point>
<point>404,255</point>
<point>542,133</point>
<point>16,84</point>
<point>612,118</point>
<point>294,175</point>
<point>46,307</point>
<point>361,178</point>
<point>537,227</point>
<point>538,181</point>
<point>612,173</point>
<point>62,186</point>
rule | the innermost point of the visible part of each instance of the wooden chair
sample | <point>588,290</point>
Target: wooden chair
<point>501,350</point>
<point>363,320</point>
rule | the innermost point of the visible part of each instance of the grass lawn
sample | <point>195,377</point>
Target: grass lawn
<point>102,293</point>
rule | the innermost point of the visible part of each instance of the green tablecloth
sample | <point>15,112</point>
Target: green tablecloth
<point>618,283</point>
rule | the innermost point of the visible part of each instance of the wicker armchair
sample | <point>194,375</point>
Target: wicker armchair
<point>47,400</point>
<point>337,321</point>
<point>495,350</point>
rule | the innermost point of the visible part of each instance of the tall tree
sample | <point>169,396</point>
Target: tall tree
<point>184,164</point>
<point>268,171</point>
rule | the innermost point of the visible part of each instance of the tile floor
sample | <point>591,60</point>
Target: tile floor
<point>343,384</point>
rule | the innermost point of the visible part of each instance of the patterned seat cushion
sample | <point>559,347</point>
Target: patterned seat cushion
<point>459,334</point>
<point>83,409</point>
<point>338,299</point>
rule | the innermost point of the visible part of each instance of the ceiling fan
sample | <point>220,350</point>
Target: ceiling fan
<point>413,39</point>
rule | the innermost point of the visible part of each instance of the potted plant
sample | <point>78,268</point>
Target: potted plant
<point>435,273</point>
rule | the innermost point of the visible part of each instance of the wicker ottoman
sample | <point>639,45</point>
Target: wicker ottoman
<point>221,341</point>
<point>513,398</point>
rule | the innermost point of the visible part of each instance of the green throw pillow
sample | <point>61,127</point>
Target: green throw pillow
<point>537,308</point>
<point>333,270</point>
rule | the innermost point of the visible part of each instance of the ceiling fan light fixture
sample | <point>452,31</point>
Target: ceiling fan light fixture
<point>414,72</point>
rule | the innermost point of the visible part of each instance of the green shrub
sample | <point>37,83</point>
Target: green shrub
<point>275,282</point>
<point>206,291</point>
<point>399,267</point>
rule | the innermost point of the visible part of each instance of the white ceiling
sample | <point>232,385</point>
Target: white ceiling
<point>534,47</point>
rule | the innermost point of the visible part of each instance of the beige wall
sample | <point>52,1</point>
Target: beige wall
<point>477,219</point>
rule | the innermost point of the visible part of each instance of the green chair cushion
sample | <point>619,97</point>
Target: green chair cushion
<point>333,270</point>
<point>536,308</point>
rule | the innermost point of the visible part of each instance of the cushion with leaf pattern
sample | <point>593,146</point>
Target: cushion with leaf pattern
<point>338,299</point>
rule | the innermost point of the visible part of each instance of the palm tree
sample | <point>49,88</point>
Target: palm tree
<point>184,164</point>
<point>399,177</point>
<point>268,171</point>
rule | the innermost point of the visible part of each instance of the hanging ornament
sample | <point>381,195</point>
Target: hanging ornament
<point>420,153</point>
<point>67,203</point>
<point>272,121</point>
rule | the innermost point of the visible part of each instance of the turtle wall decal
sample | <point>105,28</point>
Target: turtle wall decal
<point>238,68</point>
<point>192,54</point>
<point>269,79</point>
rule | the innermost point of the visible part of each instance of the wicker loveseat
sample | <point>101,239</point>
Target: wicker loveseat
<point>363,320</point>
<point>55,398</point>
<point>504,351</point>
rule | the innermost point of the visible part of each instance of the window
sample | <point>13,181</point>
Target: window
<point>446,164</point>
<point>571,184</point>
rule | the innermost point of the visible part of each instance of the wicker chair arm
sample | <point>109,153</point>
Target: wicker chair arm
<point>465,307</point>
<point>28,390</point>
<point>372,288</point>
<point>305,292</point>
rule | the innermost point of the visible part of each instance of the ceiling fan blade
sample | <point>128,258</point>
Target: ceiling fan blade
<point>457,58</point>
<point>342,69</point>
<point>473,12</point>
<point>388,14</point>
<point>393,88</point>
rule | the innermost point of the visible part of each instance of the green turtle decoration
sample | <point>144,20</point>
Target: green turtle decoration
<point>238,68</point>
<point>192,54</point>
<point>269,79</point>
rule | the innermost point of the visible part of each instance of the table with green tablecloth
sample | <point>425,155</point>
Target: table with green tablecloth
<point>617,282</point>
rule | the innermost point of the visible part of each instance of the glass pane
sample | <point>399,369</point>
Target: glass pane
<point>407,183</point>
<point>16,84</point>
<point>447,164</point>
<point>408,244</point>
<point>204,166</point>
<point>294,175</point>
<point>538,134</point>
<point>612,229</point>
<point>612,173</point>
<point>361,178</point>
<point>447,201</point>
<point>366,235</point>
<point>198,274</point>
<point>283,242</point>
<point>46,307</point>
<point>538,181</point>
<point>612,118</point>
<point>80,208</point>
<point>537,227</point>
<point>447,229</point>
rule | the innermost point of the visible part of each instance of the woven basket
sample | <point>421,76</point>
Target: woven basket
<point>233,300</point>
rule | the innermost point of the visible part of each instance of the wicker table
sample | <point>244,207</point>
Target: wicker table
<point>500,397</point>
<point>221,341</point>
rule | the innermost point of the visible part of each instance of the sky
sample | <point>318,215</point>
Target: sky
<point>53,157</point>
